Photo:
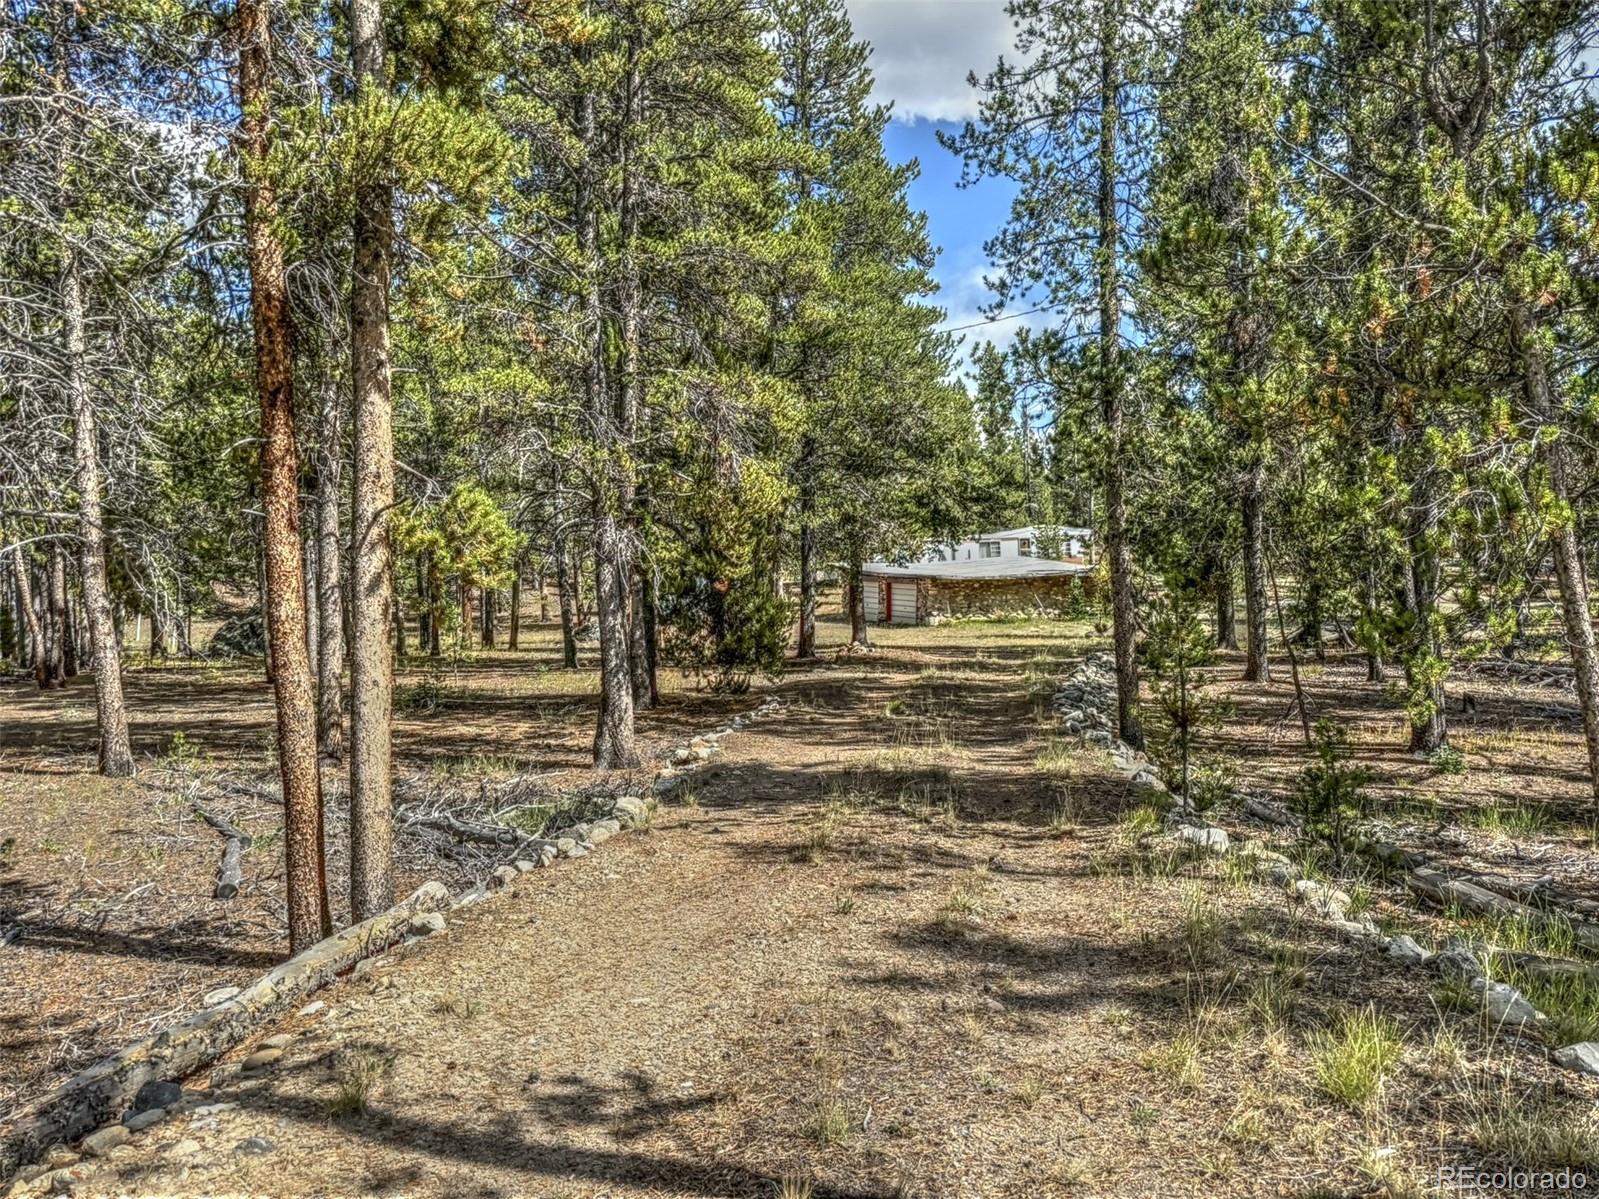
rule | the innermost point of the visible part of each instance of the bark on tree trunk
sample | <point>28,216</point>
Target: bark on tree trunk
<point>1257,664</point>
<point>69,634</point>
<point>313,611</point>
<point>651,632</point>
<point>1124,629</point>
<point>614,745</point>
<point>488,597</point>
<point>285,590</point>
<point>1429,723</point>
<point>329,589</point>
<point>1374,666</point>
<point>1226,610</point>
<point>111,715</point>
<point>805,646</point>
<point>568,600</point>
<point>27,621</point>
<point>630,406</point>
<point>1564,543</point>
<point>436,608</point>
<point>638,636</point>
<point>514,635</point>
<point>158,634</point>
<point>55,619</point>
<point>858,633</point>
<point>371,623</point>
<point>30,617</point>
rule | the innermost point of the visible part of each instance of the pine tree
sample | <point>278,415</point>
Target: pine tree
<point>1071,122</point>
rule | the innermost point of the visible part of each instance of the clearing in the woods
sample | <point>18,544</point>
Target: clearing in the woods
<point>902,939</point>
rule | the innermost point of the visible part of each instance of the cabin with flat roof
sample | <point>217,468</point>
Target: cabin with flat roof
<point>930,592</point>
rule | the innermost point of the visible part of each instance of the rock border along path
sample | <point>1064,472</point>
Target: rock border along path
<point>135,1082</point>
<point>1087,702</point>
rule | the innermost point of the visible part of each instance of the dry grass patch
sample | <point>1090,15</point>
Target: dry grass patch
<point>1531,1130</point>
<point>1354,1059</point>
<point>361,1075</point>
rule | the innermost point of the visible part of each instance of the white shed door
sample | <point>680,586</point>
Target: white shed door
<point>899,602</point>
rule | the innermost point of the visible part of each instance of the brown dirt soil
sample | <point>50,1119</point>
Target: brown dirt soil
<point>108,882</point>
<point>897,943</point>
<point>1520,807</point>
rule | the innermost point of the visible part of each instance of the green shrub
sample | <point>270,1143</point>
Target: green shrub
<point>1330,796</point>
<point>1353,1061</point>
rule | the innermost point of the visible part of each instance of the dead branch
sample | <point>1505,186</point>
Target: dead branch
<point>102,1093</point>
<point>231,871</point>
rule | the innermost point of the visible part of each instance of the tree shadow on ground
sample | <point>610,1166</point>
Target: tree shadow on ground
<point>502,1141</point>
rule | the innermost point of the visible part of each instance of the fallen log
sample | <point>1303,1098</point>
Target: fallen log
<point>1539,674</point>
<point>1443,890</point>
<point>231,871</point>
<point>501,835</point>
<point>1539,966</point>
<point>101,1094</point>
<point>1263,809</point>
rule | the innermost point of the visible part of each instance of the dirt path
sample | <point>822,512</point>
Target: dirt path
<point>886,950</point>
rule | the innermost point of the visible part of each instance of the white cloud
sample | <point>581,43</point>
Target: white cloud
<point>924,49</point>
<point>964,295</point>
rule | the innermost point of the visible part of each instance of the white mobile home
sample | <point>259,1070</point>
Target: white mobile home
<point>1009,544</point>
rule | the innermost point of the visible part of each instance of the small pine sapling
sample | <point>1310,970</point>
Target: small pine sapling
<point>1330,796</point>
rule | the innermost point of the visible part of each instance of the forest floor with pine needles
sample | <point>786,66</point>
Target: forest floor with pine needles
<point>903,939</point>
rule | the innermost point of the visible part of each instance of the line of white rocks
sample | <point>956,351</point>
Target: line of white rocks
<point>157,1099</point>
<point>1087,699</point>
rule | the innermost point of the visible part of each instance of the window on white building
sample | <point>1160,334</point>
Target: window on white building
<point>1024,547</point>
<point>990,549</point>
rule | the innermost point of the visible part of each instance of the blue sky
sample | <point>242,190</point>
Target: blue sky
<point>922,53</point>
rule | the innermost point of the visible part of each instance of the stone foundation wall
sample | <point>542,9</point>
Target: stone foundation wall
<point>1059,596</point>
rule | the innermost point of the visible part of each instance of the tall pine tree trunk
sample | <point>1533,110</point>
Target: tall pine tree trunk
<point>630,408</point>
<point>565,580</point>
<point>514,634</point>
<point>285,590</point>
<point>111,715</point>
<point>371,564</point>
<point>55,618</point>
<point>69,630</point>
<point>614,743</point>
<point>1374,664</point>
<point>31,618</point>
<point>651,633</point>
<point>1226,608</point>
<point>27,618</point>
<point>435,591</point>
<point>639,656</point>
<point>1257,665</point>
<point>806,644</point>
<point>858,632</point>
<point>329,587</point>
<point>1429,721</point>
<point>1124,627</point>
<point>313,611</point>
<point>1564,544</point>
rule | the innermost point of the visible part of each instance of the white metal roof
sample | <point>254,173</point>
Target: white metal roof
<point>980,568</point>
<point>1028,531</point>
